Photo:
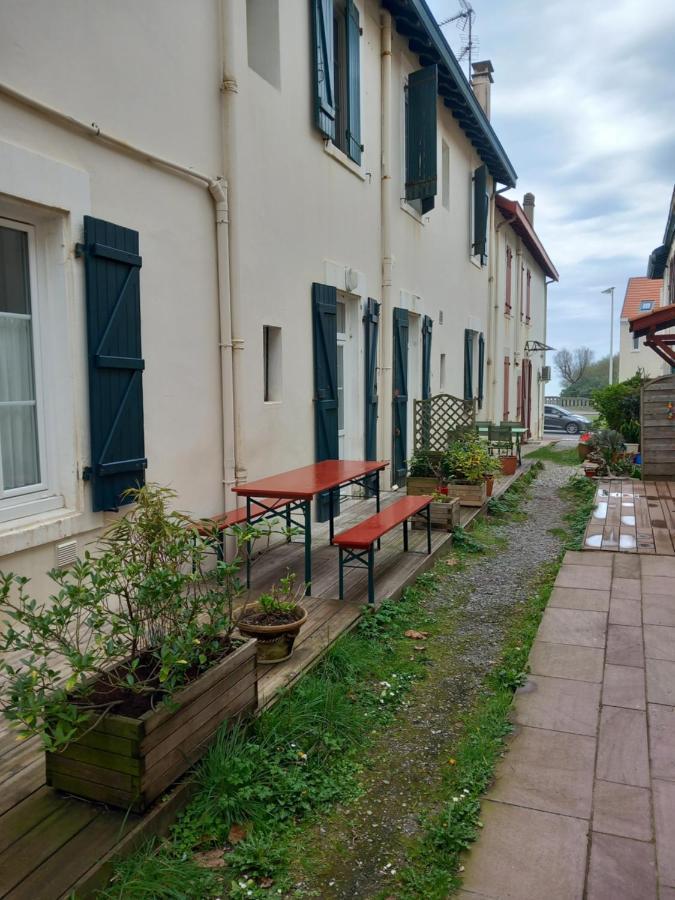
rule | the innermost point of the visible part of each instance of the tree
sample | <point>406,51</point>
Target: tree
<point>573,363</point>
<point>596,376</point>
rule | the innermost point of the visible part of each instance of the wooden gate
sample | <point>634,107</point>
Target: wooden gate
<point>657,432</point>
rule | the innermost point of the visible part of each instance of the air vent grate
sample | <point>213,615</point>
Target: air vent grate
<point>66,554</point>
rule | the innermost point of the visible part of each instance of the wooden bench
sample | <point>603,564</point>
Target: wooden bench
<point>357,544</point>
<point>261,508</point>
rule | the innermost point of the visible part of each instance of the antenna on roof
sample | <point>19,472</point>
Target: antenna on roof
<point>464,19</point>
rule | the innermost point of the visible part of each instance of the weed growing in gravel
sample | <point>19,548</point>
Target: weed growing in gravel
<point>435,861</point>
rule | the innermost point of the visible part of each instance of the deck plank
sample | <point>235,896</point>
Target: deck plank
<point>610,525</point>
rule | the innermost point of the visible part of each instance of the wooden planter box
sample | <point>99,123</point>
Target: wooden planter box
<point>444,516</point>
<point>417,485</point>
<point>469,494</point>
<point>128,762</point>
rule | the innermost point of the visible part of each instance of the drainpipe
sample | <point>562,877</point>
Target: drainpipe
<point>218,190</point>
<point>495,399</point>
<point>232,26</point>
<point>386,385</point>
<point>219,193</point>
<point>493,312</point>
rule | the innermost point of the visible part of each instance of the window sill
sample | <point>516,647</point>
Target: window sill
<point>44,528</point>
<point>412,212</point>
<point>344,160</point>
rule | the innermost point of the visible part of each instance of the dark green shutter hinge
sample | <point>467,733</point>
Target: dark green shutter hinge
<point>80,249</point>
<point>87,472</point>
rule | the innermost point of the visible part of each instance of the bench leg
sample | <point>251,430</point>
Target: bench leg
<point>341,576</point>
<point>331,513</point>
<point>429,530</point>
<point>288,524</point>
<point>371,579</point>
<point>405,535</point>
<point>377,500</point>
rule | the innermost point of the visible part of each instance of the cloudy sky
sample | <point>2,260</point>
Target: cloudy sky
<point>584,104</point>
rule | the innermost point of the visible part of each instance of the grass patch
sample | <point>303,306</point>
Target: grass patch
<point>580,493</point>
<point>434,866</point>
<point>562,457</point>
<point>262,782</point>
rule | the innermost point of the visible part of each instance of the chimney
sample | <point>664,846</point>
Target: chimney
<point>528,208</point>
<point>481,81</point>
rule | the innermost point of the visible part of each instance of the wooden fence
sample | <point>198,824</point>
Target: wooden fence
<point>657,433</point>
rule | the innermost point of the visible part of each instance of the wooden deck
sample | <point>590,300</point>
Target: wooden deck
<point>633,517</point>
<point>52,845</point>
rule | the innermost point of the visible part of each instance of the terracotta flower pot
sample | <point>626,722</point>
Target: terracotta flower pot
<point>509,464</point>
<point>489,485</point>
<point>583,450</point>
<point>275,642</point>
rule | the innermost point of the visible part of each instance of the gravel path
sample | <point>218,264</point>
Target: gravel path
<point>361,846</point>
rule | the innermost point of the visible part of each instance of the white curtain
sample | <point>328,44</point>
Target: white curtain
<point>18,412</point>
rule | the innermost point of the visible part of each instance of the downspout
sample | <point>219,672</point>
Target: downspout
<point>495,415</point>
<point>386,386</point>
<point>232,26</point>
<point>218,190</point>
<point>493,303</point>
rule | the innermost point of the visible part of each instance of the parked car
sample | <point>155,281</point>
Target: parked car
<point>557,418</point>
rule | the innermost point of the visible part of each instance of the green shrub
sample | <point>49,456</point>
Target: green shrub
<point>619,406</point>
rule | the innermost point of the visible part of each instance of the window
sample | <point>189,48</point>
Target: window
<point>480,204</point>
<point>337,74</point>
<point>528,307</point>
<point>646,305</point>
<point>272,363</point>
<point>262,39</point>
<point>442,372</point>
<point>21,440</point>
<point>636,342</point>
<point>420,139</point>
<point>509,279</point>
<point>445,174</point>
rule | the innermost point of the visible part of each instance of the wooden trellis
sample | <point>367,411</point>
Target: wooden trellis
<point>439,419</point>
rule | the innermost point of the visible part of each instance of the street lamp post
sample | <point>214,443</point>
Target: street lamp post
<point>610,291</point>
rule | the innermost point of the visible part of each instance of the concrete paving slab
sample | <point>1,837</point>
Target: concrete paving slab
<point>623,810</point>
<point>567,661</point>
<point>558,704</point>
<point>579,598</point>
<point>621,869</point>
<point>583,628</point>
<point>622,747</point>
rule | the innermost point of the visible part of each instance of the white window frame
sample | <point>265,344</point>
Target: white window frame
<point>29,499</point>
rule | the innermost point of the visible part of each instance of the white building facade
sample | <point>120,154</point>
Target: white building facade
<point>243,236</point>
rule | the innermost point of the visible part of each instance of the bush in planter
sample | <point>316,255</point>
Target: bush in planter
<point>619,406</point>
<point>468,460</point>
<point>132,624</point>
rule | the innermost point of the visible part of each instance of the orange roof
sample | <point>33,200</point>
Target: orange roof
<point>637,290</point>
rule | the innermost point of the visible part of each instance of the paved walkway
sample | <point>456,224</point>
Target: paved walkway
<point>583,804</point>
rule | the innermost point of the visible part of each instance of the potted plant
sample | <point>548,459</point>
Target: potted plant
<point>129,669</point>
<point>444,511</point>
<point>464,464</point>
<point>424,473</point>
<point>588,442</point>
<point>275,620</point>
<point>492,468</point>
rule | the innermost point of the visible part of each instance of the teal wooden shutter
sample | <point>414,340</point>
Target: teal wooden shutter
<point>481,368</point>
<point>481,203</point>
<point>112,266</point>
<point>468,364</point>
<point>421,179</point>
<point>324,71</point>
<point>324,330</point>
<point>400,398</point>
<point>371,321</point>
<point>427,324</point>
<point>353,83</point>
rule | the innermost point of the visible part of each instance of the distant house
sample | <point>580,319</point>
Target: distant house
<point>642,296</point>
<point>522,272</point>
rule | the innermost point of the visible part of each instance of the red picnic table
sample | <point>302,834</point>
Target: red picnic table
<point>300,486</point>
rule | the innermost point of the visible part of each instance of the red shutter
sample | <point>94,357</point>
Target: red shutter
<point>507,378</point>
<point>507,303</point>
<point>522,298</point>
<point>528,309</point>
<point>519,398</point>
